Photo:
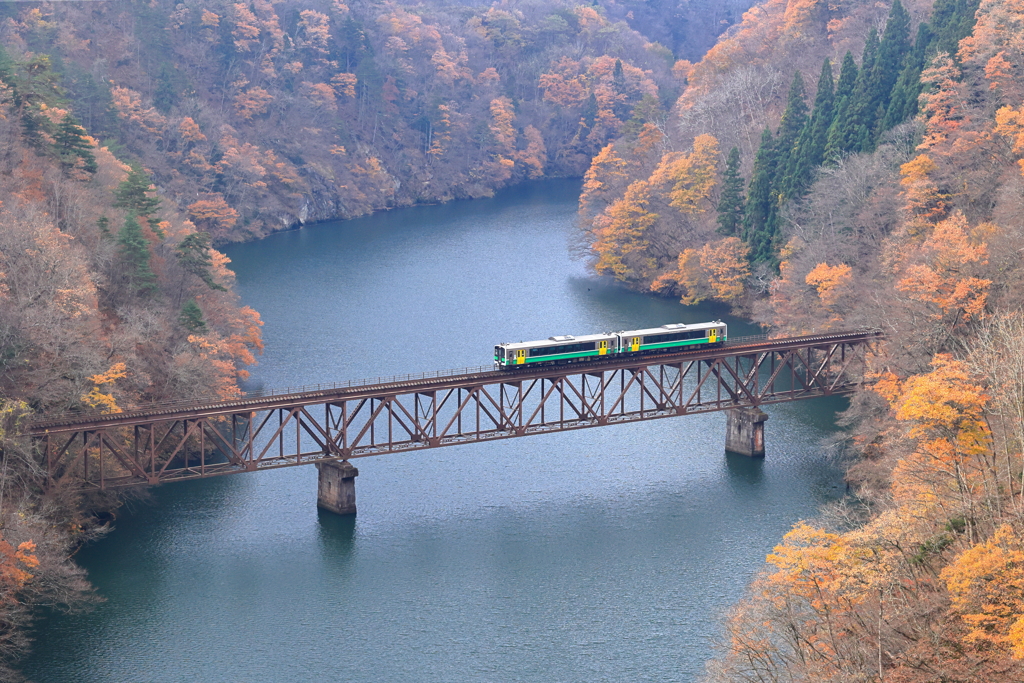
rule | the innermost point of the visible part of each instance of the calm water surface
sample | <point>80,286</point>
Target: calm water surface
<point>596,555</point>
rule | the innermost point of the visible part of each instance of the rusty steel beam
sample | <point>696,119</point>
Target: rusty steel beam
<point>174,443</point>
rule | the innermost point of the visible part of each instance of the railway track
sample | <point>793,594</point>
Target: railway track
<point>420,382</point>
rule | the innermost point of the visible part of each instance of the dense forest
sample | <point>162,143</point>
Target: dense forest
<point>258,117</point>
<point>138,135</point>
<point>841,167</point>
<point>818,166</point>
<point>109,297</point>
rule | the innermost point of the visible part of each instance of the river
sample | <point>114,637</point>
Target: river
<point>596,555</point>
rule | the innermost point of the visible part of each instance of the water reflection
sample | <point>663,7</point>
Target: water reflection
<point>336,532</point>
<point>593,555</point>
<point>746,474</point>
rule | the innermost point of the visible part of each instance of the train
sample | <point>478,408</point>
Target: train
<point>589,348</point>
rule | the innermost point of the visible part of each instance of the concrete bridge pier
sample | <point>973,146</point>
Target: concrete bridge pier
<point>744,431</point>
<point>336,489</point>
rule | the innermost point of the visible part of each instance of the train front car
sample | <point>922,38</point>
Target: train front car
<point>673,337</point>
<point>555,351</point>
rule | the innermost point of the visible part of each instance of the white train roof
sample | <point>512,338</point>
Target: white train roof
<point>559,341</point>
<point>672,327</point>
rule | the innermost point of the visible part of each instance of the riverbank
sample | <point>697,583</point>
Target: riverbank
<point>589,555</point>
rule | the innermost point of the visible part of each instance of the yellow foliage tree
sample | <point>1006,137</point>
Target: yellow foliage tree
<point>502,119</point>
<point>619,232</point>
<point>105,402</point>
<point>831,282</point>
<point>986,587</point>
<point>606,174</point>
<point>691,176</point>
<point>715,271</point>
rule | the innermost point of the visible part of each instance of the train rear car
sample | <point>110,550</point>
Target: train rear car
<point>673,337</point>
<point>555,351</point>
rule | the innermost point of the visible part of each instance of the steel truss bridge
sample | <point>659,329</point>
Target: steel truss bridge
<point>172,442</point>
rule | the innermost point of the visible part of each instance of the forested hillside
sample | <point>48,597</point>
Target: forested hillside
<point>841,166</point>
<point>135,135</point>
<point>254,117</point>
<point>823,166</point>
<point>109,297</point>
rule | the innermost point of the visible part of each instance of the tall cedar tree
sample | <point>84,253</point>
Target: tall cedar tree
<point>71,145</point>
<point>731,204</point>
<point>759,201</point>
<point>903,99</point>
<point>813,138</point>
<point>794,118</point>
<point>888,63</point>
<point>835,146</point>
<point>133,251</point>
<point>951,22</point>
<point>133,194</point>
<point>857,129</point>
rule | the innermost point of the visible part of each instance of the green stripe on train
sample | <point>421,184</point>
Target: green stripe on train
<point>680,342</point>
<point>559,356</point>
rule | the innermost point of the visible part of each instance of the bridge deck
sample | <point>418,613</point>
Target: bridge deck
<point>426,382</point>
<point>174,442</point>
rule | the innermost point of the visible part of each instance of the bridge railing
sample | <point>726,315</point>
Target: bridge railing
<point>309,388</point>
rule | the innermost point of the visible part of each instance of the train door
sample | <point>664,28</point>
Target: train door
<point>602,347</point>
<point>634,344</point>
<point>713,335</point>
<point>520,356</point>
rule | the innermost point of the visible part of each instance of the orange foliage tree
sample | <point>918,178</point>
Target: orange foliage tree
<point>619,231</point>
<point>831,282</point>
<point>715,271</point>
<point>938,273</point>
<point>213,214</point>
<point>986,586</point>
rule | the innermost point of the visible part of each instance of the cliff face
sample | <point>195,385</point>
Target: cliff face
<point>256,117</point>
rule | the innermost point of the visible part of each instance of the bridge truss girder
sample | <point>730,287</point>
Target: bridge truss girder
<point>371,421</point>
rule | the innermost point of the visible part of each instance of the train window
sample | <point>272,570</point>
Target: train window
<point>563,348</point>
<point>676,336</point>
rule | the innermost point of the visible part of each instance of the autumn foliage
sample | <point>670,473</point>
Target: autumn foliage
<point>269,115</point>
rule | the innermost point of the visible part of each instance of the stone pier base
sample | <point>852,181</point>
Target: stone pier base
<point>744,431</point>
<point>336,490</point>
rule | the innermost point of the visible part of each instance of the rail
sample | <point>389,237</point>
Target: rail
<point>214,402</point>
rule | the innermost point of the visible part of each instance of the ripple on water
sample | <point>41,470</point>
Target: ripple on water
<point>593,555</point>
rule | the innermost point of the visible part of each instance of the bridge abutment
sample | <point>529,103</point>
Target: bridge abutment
<point>744,431</point>
<point>336,488</point>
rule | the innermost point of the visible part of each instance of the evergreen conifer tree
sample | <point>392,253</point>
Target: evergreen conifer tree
<point>760,201</point>
<point>133,194</point>
<point>133,250</point>
<point>731,204</point>
<point>191,317</point>
<point>893,49</point>
<point>589,111</point>
<point>193,254</point>
<point>903,99</point>
<point>848,73</point>
<point>71,145</point>
<point>813,138</point>
<point>860,119</point>
<point>794,119</point>
<point>951,22</point>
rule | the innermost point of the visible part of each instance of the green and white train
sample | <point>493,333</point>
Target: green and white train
<point>594,347</point>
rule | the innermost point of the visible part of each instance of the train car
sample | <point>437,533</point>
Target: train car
<point>555,351</point>
<point>673,337</point>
